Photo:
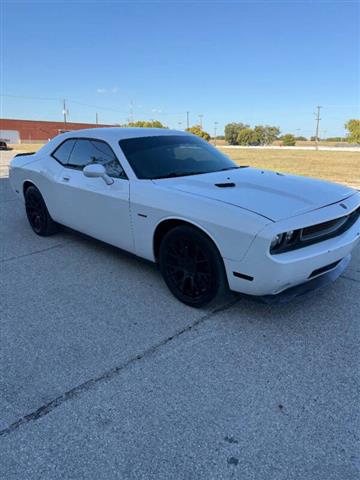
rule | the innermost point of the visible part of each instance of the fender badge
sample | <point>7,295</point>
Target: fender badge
<point>343,205</point>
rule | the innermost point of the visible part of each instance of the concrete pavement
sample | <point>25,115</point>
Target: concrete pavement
<point>105,375</point>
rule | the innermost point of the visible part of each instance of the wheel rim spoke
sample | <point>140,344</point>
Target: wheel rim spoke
<point>35,212</point>
<point>188,268</point>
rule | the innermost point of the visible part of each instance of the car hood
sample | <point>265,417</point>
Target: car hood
<point>273,195</point>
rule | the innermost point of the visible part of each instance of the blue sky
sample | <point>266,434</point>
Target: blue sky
<point>256,62</point>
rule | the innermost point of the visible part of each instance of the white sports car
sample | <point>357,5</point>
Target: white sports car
<point>172,198</point>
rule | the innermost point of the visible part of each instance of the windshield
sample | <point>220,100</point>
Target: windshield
<point>173,156</point>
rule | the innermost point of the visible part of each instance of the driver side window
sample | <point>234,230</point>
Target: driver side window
<point>88,151</point>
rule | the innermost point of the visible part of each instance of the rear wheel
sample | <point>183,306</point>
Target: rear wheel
<point>191,266</point>
<point>37,213</point>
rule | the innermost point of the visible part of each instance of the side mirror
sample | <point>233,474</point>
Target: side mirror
<point>95,170</point>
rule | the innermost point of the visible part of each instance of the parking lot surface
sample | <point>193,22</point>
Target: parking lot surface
<point>104,375</point>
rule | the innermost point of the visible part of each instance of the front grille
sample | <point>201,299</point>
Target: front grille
<point>332,228</point>
<point>322,229</point>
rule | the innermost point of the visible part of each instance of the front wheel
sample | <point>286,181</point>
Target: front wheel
<point>37,213</point>
<point>191,266</point>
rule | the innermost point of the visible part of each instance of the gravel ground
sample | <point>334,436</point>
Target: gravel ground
<point>104,375</point>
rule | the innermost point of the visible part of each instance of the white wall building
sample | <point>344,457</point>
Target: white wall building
<point>10,136</point>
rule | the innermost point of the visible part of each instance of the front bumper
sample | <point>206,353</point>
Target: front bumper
<point>309,286</point>
<point>263,274</point>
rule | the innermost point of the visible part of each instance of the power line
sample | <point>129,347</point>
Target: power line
<point>343,106</point>
<point>98,107</point>
<point>59,100</point>
<point>166,113</point>
<point>83,104</point>
<point>29,98</point>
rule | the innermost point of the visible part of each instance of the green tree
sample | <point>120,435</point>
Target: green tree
<point>146,124</point>
<point>266,134</point>
<point>336,139</point>
<point>353,127</point>
<point>197,130</point>
<point>232,131</point>
<point>288,140</point>
<point>301,138</point>
<point>248,136</point>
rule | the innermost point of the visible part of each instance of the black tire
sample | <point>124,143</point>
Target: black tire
<point>37,213</point>
<point>191,266</point>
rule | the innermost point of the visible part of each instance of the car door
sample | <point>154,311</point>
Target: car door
<point>91,206</point>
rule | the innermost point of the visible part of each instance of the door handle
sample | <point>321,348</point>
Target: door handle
<point>66,179</point>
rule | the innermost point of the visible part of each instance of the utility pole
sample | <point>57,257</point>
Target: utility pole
<point>179,123</point>
<point>65,112</point>
<point>201,116</point>
<point>97,118</point>
<point>317,118</point>
<point>215,128</point>
<point>187,119</point>
<point>131,110</point>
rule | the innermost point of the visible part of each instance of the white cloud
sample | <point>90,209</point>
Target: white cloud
<point>107,90</point>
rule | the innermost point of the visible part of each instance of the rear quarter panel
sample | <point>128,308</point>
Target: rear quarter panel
<point>42,171</point>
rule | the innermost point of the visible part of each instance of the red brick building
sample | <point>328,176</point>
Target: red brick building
<point>34,130</point>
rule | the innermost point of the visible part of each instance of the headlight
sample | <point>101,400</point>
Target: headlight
<point>276,241</point>
<point>289,236</point>
<point>282,240</point>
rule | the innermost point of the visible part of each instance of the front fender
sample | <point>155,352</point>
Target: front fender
<point>230,228</point>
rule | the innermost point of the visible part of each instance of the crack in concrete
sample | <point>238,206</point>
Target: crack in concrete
<point>53,247</point>
<point>350,278</point>
<point>109,374</point>
<point>9,200</point>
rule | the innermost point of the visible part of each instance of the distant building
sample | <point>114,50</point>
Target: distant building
<point>10,136</point>
<point>27,131</point>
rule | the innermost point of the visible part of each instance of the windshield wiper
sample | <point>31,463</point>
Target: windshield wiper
<point>186,174</point>
<point>177,174</point>
<point>169,175</point>
<point>228,168</point>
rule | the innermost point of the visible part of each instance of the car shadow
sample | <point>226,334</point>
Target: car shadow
<point>250,305</point>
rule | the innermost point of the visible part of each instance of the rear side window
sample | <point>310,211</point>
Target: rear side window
<point>95,151</point>
<point>62,153</point>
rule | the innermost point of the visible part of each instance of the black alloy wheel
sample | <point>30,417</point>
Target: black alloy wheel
<point>191,266</point>
<point>37,213</point>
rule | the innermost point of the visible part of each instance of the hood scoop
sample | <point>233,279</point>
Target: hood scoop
<point>225,185</point>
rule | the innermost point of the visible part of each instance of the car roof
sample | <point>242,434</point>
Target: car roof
<point>108,134</point>
<point>119,133</point>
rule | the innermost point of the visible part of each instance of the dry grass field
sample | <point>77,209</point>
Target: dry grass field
<point>341,167</point>
<point>26,147</point>
<point>322,143</point>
